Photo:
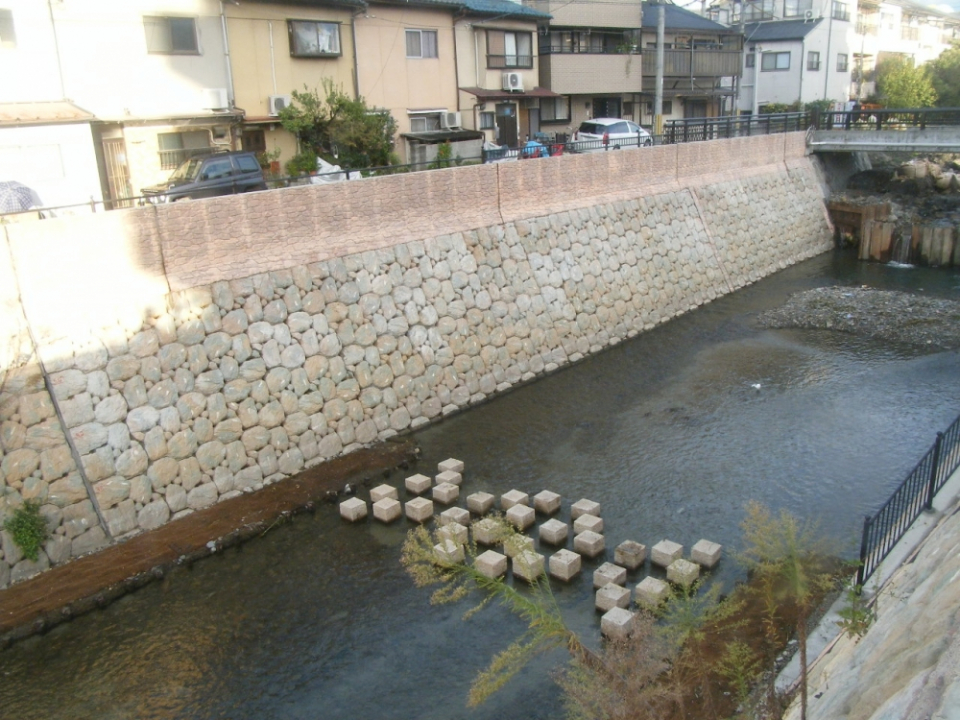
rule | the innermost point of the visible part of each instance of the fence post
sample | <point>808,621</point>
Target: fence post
<point>861,570</point>
<point>934,467</point>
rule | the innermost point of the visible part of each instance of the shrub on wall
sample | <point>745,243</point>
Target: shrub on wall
<point>28,528</point>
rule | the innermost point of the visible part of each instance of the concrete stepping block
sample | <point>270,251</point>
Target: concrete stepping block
<point>609,573</point>
<point>565,565</point>
<point>383,491</point>
<point>521,517</point>
<point>611,596</point>
<point>665,552</point>
<point>387,510</point>
<point>454,531</point>
<point>514,497</point>
<point>589,543</point>
<point>449,476</point>
<point>584,507</point>
<point>487,531</point>
<point>546,502</point>
<point>353,509</point>
<point>449,552</point>
<point>706,553</point>
<point>516,544</point>
<point>491,564</point>
<point>588,522</point>
<point>651,593</point>
<point>617,623</point>
<point>554,532</point>
<point>446,493</point>
<point>419,509</point>
<point>528,565</point>
<point>451,464</point>
<point>683,572</point>
<point>455,515</point>
<point>418,484</point>
<point>630,554</point>
<point>479,503</point>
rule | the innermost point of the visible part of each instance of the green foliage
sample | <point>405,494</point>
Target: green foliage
<point>688,611</point>
<point>268,156</point>
<point>858,615</point>
<point>341,130</point>
<point>819,105</point>
<point>945,77</point>
<point>902,85</point>
<point>740,666</point>
<point>28,528</point>
<point>772,108</point>
<point>444,153</point>
<point>302,162</point>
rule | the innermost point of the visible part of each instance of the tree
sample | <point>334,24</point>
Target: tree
<point>341,130</point>
<point>901,85</point>
<point>945,77</point>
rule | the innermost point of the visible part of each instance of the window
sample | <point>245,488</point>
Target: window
<point>310,39</point>
<point>667,107</point>
<point>217,169</point>
<point>555,109</point>
<point>839,11</point>
<point>841,62</point>
<point>8,38</point>
<point>509,49</point>
<point>797,8</point>
<point>751,59</point>
<point>774,61</point>
<point>177,147</point>
<point>425,122</point>
<point>247,164</point>
<point>171,35</point>
<point>758,10</point>
<point>422,43</point>
<point>488,121</point>
<point>813,60</point>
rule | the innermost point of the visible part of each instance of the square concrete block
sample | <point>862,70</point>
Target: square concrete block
<point>387,510</point>
<point>609,573</point>
<point>630,554</point>
<point>514,497</point>
<point>454,531</point>
<point>491,563</point>
<point>617,623</point>
<point>479,503</point>
<point>584,507</point>
<point>588,522</point>
<point>611,596</point>
<point>418,484</point>
<point>651,592</point>
<point>589,543</point>
<point>449,552</point>
<point>446,493</point>
<point>353,509</point>
<point>528,565</point>
<point>419,509</point>
<point>683,572</point>
<point>516,544</point>
<point>455,515</point>
<point>449,476</point>
<point>521,517</point>
<point>665,552</point>
<point>554,532</point>
<point>451,464</point>
<point>706,553</point>
<point>546,502</point>
<point>383,491</point>
<point>487,531</point>
<point>565,565</point>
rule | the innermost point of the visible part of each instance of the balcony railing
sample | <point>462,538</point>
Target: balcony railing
<point>554,49</point>
<point>170,159</point>
<point>694,62</point>
<point>509,61</point>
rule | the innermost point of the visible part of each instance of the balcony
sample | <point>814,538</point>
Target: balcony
<point>694,62</point>
<point>579,73</point>
<point>587,13</point>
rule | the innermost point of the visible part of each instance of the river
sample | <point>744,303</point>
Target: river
<point>667,431</point>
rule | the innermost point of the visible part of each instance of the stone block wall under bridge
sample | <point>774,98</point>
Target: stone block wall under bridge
<point>158,360</point>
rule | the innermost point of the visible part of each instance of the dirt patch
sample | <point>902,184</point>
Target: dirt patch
<point>63,592</point>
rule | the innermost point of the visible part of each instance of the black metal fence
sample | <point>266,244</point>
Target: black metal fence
<point>882,531</point>
<point>716,128</point>
<point>866,119</point>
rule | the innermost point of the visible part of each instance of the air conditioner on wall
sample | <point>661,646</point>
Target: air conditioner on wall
<point>214,99</point>
<point>450,121</point>
<point>513,81</point>
<point>276,103</point>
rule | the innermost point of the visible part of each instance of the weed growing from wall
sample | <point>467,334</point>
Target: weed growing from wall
<point>28,528</point>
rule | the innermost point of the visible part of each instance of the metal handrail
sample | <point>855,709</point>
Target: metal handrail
<point>699,129</point>
<point>886,119</point>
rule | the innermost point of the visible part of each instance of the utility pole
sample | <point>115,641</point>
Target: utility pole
<point>658,103</point>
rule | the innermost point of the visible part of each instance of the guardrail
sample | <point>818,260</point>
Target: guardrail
<point>716,128</point>
<point>915,494</point>
<point>920,118</point>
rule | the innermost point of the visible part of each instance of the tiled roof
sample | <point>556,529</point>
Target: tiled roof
<point>42,113</point>
<point>779,30</point>
<point>678,18</point>
<point>506,8</point>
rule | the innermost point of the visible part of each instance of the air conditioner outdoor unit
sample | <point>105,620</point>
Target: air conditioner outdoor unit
<point>513,81</point>
<point>808,15</point>
<point>214,99</point>
<point>450,120</point>
<point>276,103</point>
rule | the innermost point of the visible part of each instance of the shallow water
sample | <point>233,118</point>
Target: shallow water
<point>667,432</point>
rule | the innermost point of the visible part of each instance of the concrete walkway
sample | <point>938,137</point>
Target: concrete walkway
<point>908,663</point>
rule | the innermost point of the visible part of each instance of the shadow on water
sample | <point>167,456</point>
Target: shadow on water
<point>669,432</point>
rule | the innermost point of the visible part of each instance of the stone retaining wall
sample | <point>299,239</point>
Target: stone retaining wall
<point>173,401</point>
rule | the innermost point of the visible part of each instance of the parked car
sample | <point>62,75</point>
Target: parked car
<point>609,134</point>
<point>208,176</point>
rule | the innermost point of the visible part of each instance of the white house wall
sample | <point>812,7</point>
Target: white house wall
<point>29,70</point>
